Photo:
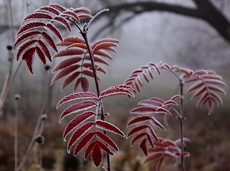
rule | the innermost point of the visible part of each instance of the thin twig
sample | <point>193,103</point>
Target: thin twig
<point>39,125</point>
<point>16,133</point>
<point>181,118</point>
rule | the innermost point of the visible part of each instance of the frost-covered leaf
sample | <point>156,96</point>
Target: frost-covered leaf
<point>77,107</point>
<point>74,123</point>
<point>83,143</point>
<point>77,96</point>
<point>107,126</point>
<point>116,90</point>
<point>78,133</point>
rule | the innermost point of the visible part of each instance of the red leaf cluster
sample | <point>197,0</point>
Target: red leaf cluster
<point>87,132</point>
<point>144,123</point>
<point>207,86</point>
<point>206,83</point>
<point>165,148</point>
<point>35,34</point>
<point>77,65</point>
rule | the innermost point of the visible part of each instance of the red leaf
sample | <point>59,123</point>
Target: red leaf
<point>216,88</point>
<point>28,57</point>
<point>62,21</point>
<point>88,73</point>
<point>23,37</point>
<point>154,122</point>
<point>84,142</point>
<point>153,156</point>
<point>85,16</point>
<point>58,7</point>
<point>195,86</point>
<point>65,63</point>
<point>104,147</point>
<point>107,140</point>
<point>137,137</point>
<point>116,90</point>
<point>70,14</point>
<point>210,106</point>
<point>78,133</point>
<point>217,97</point>
<point>159,164</point>
<point>108,127</point>
<point>49,40</point>
<point>89,149</point>
<point>41,55</point>
<point>77,107</point>
<point>38,16</point>
<point>45,50</point>
<point>105,40</point>
<point>70,79</point>
<point>137,129</point>
<point>143,147</point>
<point>152,133</point>
<point>169,103</point>
<point>214,81</point>
<point>49,10</point>
<point>162,110</point>
<point>30,26</point>
<point>77,84</point>
<point>211,76</point>
<point>139,119</point>
<point>199,92</point>
<point>25,47</point>
<point>104,54</point>
<point>74,123</point>
<point>70,40</point>
<point>82,9</point>
<point>153,103</point>
<point>65,72</point>
<point>104,45</point>
<point>176,97</point>
<point>97,59</point>
<point>78,45</point>
<point>96,155</point>
<point>155,67</point>
<point>77,96</point>
<point>53,29</point>
<point>143,110</point>
<point>69,52</point>
<point>84,84</point>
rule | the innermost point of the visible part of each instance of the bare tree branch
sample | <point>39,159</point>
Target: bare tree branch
<point>204,10</point>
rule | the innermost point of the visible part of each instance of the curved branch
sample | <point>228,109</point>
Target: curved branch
<point>204,10</point>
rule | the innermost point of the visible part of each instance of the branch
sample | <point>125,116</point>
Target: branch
<point>205,11</point>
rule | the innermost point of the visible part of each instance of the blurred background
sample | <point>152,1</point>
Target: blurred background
<point>189,33</point>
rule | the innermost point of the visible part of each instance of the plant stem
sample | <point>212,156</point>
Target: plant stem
<point>181,118</point>
<point>39,124</point>
<point>84,35</point>
<point>16,133</point>
<point>7,85</point>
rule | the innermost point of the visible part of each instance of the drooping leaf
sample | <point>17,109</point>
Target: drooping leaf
<point>137,130</point>
<point>153,156</point>
<point>77,96</point>
<point>83,143</point>
<point>74,123</point>
<point>69,52</point>
<point>96,155</point>
<point>108,127</point>
<point>77,107</point>
<point>116,90</point>
<point>107,140</point>
<point>78,133</point>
